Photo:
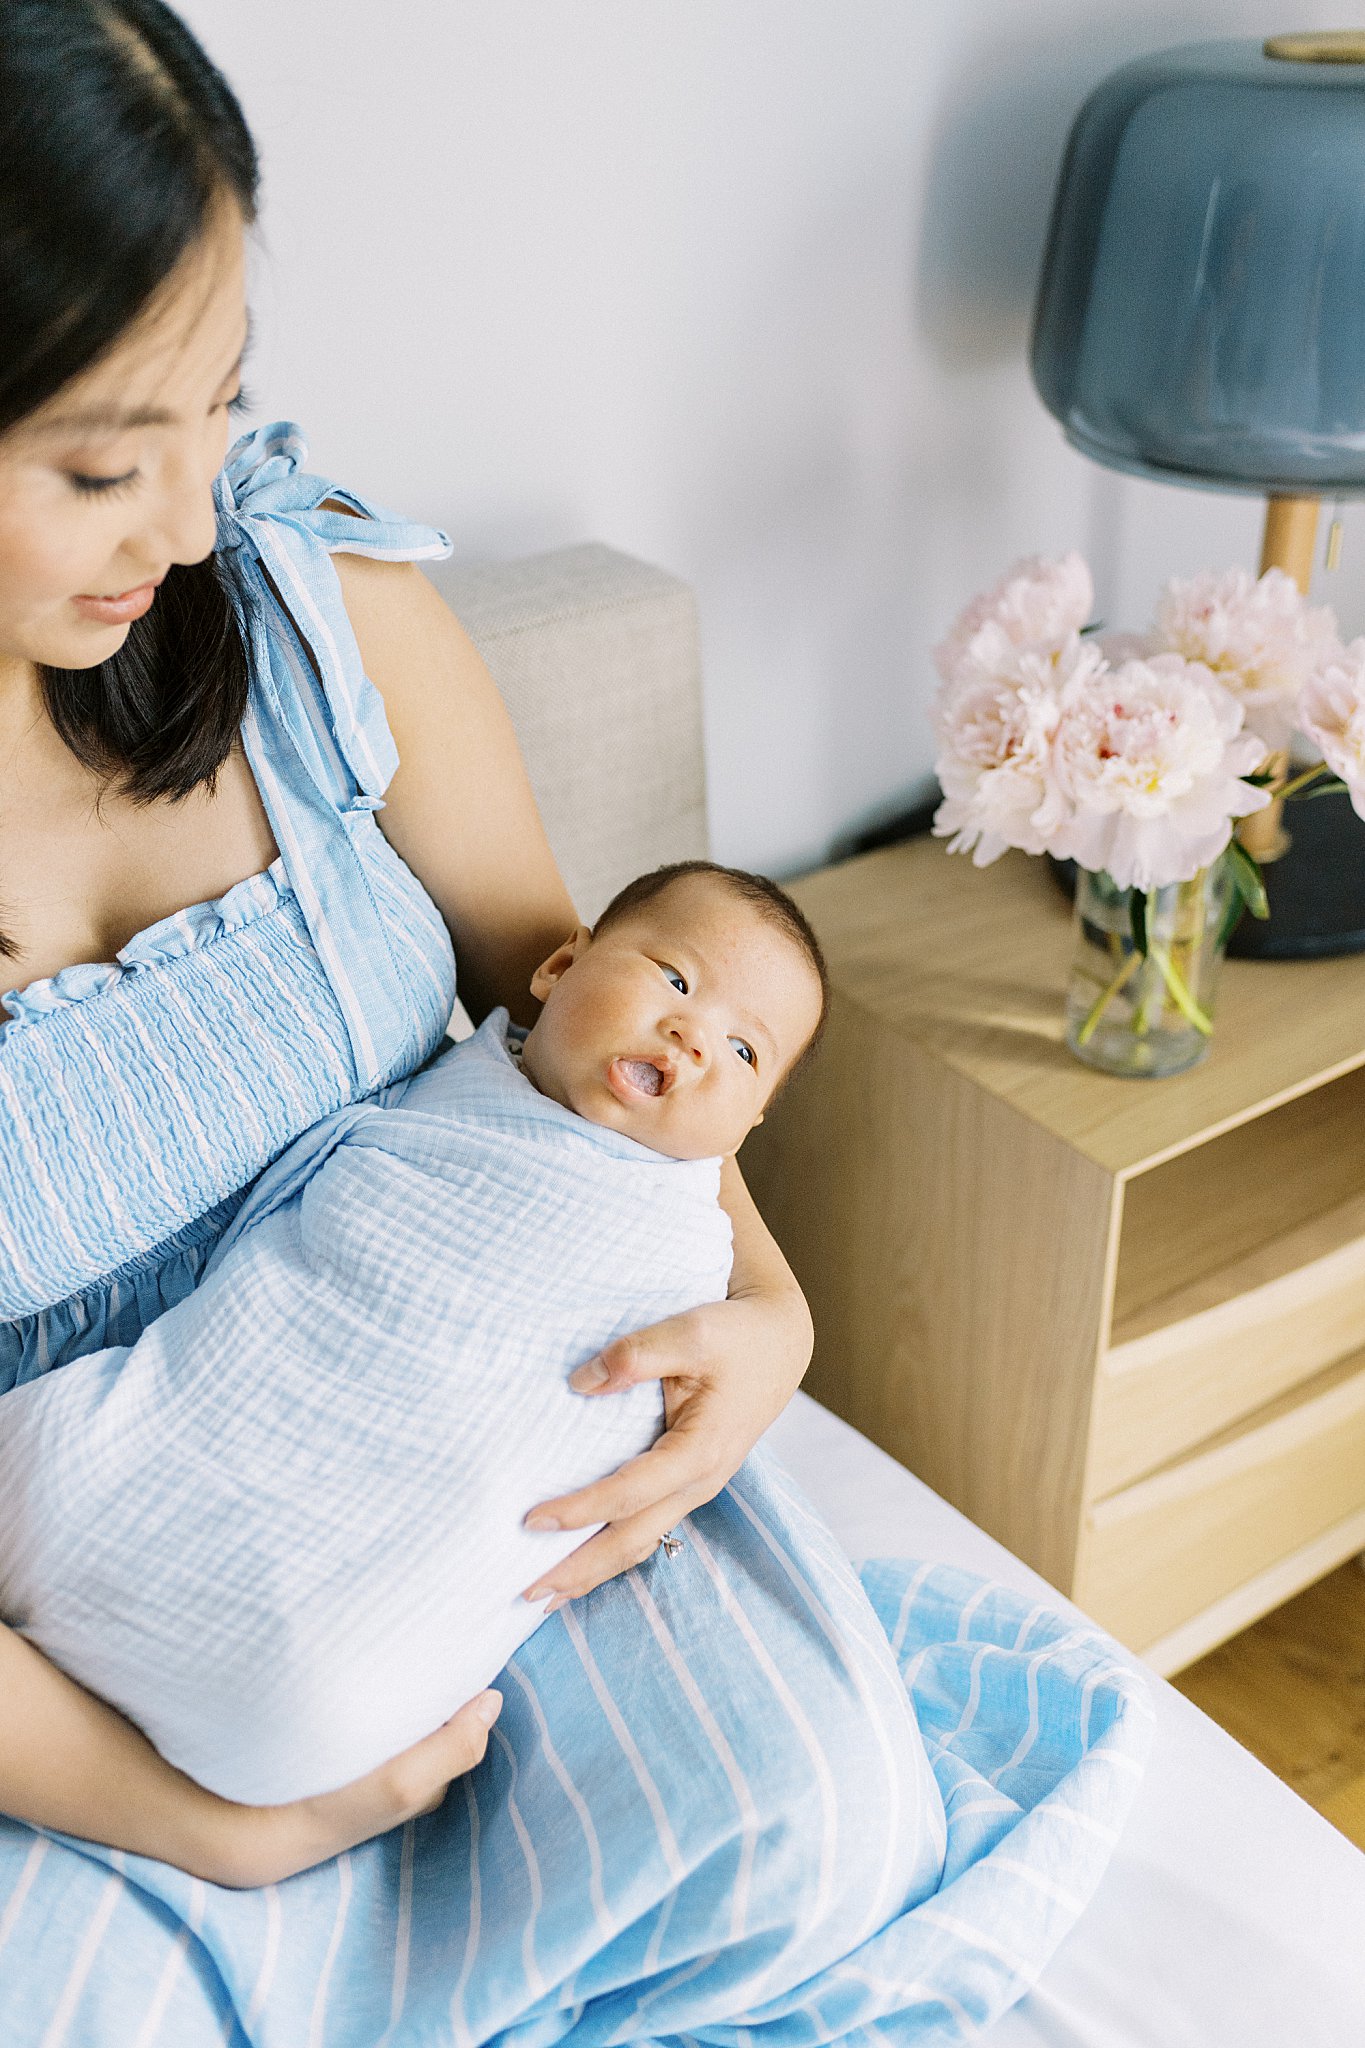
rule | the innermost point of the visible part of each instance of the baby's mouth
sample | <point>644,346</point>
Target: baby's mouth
<point>630,1079</point>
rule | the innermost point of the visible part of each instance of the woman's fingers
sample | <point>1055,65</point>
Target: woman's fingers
<point>668,1350</point>
<point>678,1463</point>
<point>614,1549</point>
<point>282,1840</point>
<point>420,1776</point>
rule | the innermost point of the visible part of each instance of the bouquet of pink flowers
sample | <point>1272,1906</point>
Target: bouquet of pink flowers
<point>1135,756</point>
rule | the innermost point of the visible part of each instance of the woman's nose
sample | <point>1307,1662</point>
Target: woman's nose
<point>185,525</point>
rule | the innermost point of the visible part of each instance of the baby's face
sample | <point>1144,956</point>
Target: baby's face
<point>676,1023</point>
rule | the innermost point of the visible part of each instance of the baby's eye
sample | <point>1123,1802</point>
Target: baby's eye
<point>745,1051</point>
<point>672,975</point>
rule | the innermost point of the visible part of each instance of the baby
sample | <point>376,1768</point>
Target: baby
<point>283,1531</point>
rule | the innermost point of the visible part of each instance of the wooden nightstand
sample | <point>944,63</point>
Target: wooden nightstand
<point>1121,1324</point>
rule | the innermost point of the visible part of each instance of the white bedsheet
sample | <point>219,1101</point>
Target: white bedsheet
<point>1231,1914</point>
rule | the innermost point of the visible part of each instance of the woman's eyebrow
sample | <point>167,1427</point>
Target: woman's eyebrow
<point>120,420</point>
<point>107,418</point>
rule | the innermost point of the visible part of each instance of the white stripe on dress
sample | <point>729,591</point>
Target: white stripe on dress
<point>23,1884</point>
<point>287,572</point>
<point>161,1997</point>
<point>459,2019</point>
<point>85,1956</point>
<point>345,1881</point>
<point>270,1949</point>
<point>824,1621</point>
<point>725,1756</point>
<point>296,866</point>
<point>575,1799</point>
<point>402,1934</point>
<point>528,1934</point>
<point>908,1599</point>
<point>668,1841</point>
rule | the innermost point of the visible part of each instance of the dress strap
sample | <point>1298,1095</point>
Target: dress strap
<point>287,518</point>
<point>277,531</point>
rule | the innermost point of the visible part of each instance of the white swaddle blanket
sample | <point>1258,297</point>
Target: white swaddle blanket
<point>282,1532</point>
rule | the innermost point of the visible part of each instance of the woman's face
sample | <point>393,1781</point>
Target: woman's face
<point>109,483</point>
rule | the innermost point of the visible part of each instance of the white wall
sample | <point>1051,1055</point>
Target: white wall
<point>741,286</point>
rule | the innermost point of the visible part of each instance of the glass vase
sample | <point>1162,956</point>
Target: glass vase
<point>1145,970</point>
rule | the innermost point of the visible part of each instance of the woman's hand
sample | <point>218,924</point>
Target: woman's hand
<point>255,1845</point>
<point>69,1763</point>
<point>728,1370</point>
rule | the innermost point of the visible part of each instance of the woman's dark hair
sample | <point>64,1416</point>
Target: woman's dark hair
<point>117,140</point>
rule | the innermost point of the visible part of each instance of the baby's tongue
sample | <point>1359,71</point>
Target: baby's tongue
<point>642,1074</point>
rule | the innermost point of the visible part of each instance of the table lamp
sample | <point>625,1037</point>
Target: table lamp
<point>1201,320</point>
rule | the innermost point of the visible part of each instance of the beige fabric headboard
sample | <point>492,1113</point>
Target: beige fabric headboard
<point>597,659</point>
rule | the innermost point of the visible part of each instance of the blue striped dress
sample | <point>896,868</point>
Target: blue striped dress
<point>736,1796</point>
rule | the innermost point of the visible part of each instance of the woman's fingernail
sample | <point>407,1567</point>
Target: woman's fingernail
<point>537,1593</point>
<point>539,1520</point>
<point>593,1374</point>
<point>490,1706</point>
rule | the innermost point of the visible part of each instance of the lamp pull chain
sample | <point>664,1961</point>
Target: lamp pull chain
<point>1332,558</point>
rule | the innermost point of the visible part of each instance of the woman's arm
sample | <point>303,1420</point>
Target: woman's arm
<point>461,812</point>
<point>71,1764</point>
<point>459,809</point>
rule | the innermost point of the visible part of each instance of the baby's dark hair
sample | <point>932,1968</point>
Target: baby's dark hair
<point>771,902</point>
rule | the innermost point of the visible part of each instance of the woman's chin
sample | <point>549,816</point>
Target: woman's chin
<point>83,644</point>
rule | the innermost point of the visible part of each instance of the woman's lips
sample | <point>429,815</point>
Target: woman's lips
<point>637,1080</point>
<point>120,610</point>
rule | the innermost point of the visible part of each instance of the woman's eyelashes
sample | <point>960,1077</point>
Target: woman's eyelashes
<point>101,486</point>
<point>243,402</point>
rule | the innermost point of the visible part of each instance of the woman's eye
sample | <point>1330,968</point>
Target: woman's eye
<point>243,402</point>
<point>745,1051</point>
<point>101,486</point>
<point>672,975</point>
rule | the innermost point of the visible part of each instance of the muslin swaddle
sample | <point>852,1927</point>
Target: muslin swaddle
<point>282,1532</point>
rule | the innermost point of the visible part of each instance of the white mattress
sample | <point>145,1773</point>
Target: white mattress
<point>1232,1914</point>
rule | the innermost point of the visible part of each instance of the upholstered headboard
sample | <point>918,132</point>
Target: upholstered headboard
<point>597,659</point>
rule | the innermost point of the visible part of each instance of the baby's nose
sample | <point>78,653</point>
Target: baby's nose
<point>687,1039</point>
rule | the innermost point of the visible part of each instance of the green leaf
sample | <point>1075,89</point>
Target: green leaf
<point>1232,917</point>
<point>1137,911</point>
<point>1247,880</point>
<point>1305,796</point>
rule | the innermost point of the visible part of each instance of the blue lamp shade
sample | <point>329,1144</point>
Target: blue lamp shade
<point>1201,314</point>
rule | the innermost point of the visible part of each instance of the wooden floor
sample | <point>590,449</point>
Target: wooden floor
<point>1291,1689</point>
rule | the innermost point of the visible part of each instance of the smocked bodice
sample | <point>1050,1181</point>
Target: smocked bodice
<point>140,1097</point>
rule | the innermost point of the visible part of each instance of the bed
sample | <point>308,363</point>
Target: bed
<point>1232,1914</point>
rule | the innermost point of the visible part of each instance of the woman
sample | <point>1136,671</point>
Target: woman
<point>193,757</point>
<point>127,792</point>
<point>254,781</point>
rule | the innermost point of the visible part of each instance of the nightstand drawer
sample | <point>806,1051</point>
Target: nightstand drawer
<point>1163,1551</point>
<point>1229,1344</point>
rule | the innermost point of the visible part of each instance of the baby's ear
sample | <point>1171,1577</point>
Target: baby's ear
<point>560,961</point>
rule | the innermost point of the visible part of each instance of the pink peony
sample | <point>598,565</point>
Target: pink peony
<point>1332,713</point>
<point>1038,604</point>
<point>1261,639</point>
<point>1148,759</point>
<point>995,725</point>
